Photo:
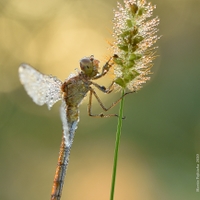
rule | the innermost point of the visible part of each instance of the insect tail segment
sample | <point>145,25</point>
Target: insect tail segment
<point>69,128</point>
<point>60,171</point>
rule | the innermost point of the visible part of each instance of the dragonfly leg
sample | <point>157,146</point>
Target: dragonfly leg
<point>92,92</point>
<point>105,69</point>
<point>104,89</point>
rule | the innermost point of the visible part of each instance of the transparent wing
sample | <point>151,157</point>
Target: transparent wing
<point>69,128</point>
<point>64,120</point>
<point>41,88</point>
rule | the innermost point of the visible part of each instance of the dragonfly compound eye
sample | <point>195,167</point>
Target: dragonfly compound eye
<point>86,63</point>
<point>89,66</point>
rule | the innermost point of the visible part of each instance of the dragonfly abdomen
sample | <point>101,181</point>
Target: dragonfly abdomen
<point>60,171</point>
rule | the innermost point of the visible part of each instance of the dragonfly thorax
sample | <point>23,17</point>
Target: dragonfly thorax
<point>89,66</point>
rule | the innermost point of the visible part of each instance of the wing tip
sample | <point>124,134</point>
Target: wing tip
<point>22,67</point>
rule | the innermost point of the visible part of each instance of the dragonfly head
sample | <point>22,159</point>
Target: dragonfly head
<point>89,66</point>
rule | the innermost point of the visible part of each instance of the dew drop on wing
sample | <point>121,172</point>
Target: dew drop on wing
<point>41,88</point>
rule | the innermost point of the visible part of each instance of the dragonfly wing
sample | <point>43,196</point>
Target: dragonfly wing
<point>41,88</point>
<point>63,115</point>
<point>69,128</point>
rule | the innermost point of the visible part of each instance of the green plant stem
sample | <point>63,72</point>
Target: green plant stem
<point>117,141</point>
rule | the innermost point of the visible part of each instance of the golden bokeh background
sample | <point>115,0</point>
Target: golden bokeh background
<point>161,132</point>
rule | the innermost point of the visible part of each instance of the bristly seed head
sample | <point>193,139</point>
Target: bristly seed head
<point>134,37</point>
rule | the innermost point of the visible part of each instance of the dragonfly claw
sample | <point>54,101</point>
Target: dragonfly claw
<point>101,115</point>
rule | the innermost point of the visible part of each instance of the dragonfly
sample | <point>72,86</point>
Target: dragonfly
<point>48,89</point>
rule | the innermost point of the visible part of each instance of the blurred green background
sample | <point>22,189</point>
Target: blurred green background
<point>161,132</point>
